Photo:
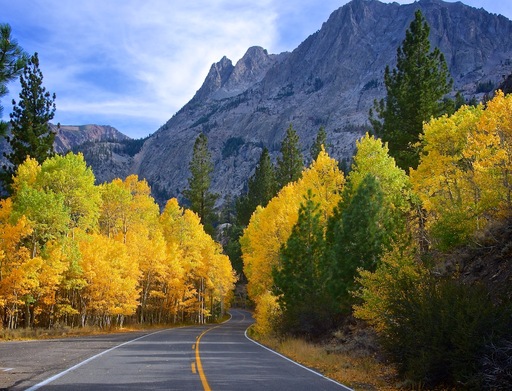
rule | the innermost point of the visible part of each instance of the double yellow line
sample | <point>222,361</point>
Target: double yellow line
<point>199,366</point>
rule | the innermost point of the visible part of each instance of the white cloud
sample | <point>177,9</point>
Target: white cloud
<point>135,58</point>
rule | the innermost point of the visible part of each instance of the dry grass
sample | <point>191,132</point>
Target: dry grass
<point>358,372</point>
<point>65,331</point>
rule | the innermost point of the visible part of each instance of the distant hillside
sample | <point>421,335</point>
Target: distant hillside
<point>90,140</point>
<point>69,137</point>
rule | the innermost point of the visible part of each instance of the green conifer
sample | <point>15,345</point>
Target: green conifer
<point>291,162</point>
<point>201,199</point>
<point>415,91</point>
<point>31,134</point>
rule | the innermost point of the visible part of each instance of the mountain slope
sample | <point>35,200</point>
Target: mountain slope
<point>88,139</point>
<point>331,79</point>
<point>69,137</point>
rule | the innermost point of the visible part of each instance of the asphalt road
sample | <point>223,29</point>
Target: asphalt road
<point>189,358</point>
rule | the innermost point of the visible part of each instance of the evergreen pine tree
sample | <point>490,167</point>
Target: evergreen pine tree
<point>356,236</point>
<point>415,89</point>
<point>291,162</point>
<point>31,134</point>
<point>298,279</point>
<point>321,139</point>
<point>201,200</point>
<point>262,187</point>
<point>12,61</point>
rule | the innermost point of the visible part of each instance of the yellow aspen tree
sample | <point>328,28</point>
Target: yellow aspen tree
<point>270,227</point>
<point>129,214</point>
<point>379,288</point>
<point>112,279</point>
<point>70,178</point>
<point>45,210</point>
<point>17,271</point>
<point>146,246</point>
<point>174,287</point>
<point>115,207</point>
<point>461,178</point>
<point>206,273</point>
<point>496,118</point>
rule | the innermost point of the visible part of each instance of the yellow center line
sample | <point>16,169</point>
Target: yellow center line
<point>199,366</point>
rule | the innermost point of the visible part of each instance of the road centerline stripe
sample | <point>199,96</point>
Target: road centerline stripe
<point>199,365</point>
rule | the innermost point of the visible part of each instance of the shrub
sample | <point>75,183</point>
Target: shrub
<point>496,371</point>
<point>437,331</point>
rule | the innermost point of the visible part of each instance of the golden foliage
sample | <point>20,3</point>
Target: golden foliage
<point>463,178</point>
<point>74,252</point>
<point>270,227</point>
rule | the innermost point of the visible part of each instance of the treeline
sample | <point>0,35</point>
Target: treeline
<point>73,253</point>
<point>329,246</point>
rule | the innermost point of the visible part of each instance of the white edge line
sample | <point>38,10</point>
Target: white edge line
<point>55,377</point>
<point>296,363</point>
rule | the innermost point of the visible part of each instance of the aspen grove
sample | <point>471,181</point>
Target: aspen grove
<point>74,253</point>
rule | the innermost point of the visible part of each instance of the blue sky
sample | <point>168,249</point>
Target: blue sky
<point>132,64</point>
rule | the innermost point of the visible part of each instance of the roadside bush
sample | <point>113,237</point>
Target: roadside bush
<point>437,332</point>
<point>497,366</point>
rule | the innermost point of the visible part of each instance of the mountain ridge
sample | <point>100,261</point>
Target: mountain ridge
<point>330,79</point>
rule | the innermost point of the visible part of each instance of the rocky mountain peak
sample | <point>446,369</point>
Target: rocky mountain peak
<point>250,69</point>
<point>217,76</point>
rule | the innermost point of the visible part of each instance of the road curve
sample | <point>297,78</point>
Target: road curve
<point>231,361</point>
<point>190,358</point>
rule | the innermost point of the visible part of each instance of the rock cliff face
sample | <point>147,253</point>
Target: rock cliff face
<point>330,80</point>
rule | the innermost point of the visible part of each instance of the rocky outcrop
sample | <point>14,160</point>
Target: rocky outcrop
<point>69,137</point>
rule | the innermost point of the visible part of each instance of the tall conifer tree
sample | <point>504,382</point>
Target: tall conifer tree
<point>356,237</point>
<point>31,134</point>
<point>297,280</point>
<point>262,187</point>
<point>415,89</point>
<point>12,61</point>
<point>291,162</point>
<point>201,199</point>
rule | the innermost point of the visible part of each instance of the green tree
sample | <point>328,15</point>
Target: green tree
<point>373,214</point>
<point>201,200</point>
<point>321,139</point>
<point>297,280</point>
<point>45,210</point>
<point>31,132</point>
<point>12,61</point>
<point>415,89</point>
<point>262,187</point>
<point>69,177</point>
<point>291,162</point>
<point>356,237</point>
